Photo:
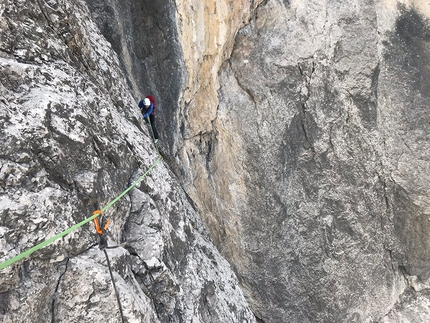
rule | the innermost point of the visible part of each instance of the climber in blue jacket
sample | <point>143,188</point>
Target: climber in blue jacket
<point>147,107</point>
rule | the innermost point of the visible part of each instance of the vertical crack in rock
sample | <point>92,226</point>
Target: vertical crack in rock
<point>64,30</point>
<point>48,19</point>
<point>142,279</point>
<point>155,289</point>
<point>304,98</point>
<point>261,4</point>
<point>374,90</point>
<point>205,144</point>
<point>54,296</point>
<point>367,103</point>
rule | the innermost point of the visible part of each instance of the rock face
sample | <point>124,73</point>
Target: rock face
<point>145,37</point>
<point>73,140</point>
<point>298,129</point>
<point>309,164</point>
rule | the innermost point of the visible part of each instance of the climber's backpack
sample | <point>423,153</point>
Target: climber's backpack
<point>151,98</point>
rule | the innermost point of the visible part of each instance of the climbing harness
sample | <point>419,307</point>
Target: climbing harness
<point>78,225</point>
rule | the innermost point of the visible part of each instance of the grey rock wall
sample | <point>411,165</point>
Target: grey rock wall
<point>333,115</point>
<point>72,140</point>
<point>315,183</point>
<point>316,227</point>
<point>299,130</point>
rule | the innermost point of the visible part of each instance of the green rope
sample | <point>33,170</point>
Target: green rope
<point>131,186</point>
<point>76,226</point>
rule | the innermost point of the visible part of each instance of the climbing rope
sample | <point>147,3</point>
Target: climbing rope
<point>114,286</point>
<point>78,225</point>
<point>125,243</point>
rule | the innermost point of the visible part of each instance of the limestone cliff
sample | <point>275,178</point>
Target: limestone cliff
<point>309,162</point>
<point>298,130</point>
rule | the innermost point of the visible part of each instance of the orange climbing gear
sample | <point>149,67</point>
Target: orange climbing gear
<point>103,225</point>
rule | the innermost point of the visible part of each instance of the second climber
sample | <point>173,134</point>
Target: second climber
<point>147,107</point>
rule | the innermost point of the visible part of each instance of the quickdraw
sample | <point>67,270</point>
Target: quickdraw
<point>80,224</point>
<point>101,226</point>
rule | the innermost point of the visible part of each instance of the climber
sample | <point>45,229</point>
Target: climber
<point>147,107</point>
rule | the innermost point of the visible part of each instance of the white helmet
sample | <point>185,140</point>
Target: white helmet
<point>146,102</point>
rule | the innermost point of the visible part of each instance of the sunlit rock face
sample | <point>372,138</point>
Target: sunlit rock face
<point>73,140</point>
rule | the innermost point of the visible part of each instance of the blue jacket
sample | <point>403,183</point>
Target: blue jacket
<point>146,111</point>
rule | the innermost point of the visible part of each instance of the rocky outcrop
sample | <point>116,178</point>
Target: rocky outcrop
<point>73,140</point>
